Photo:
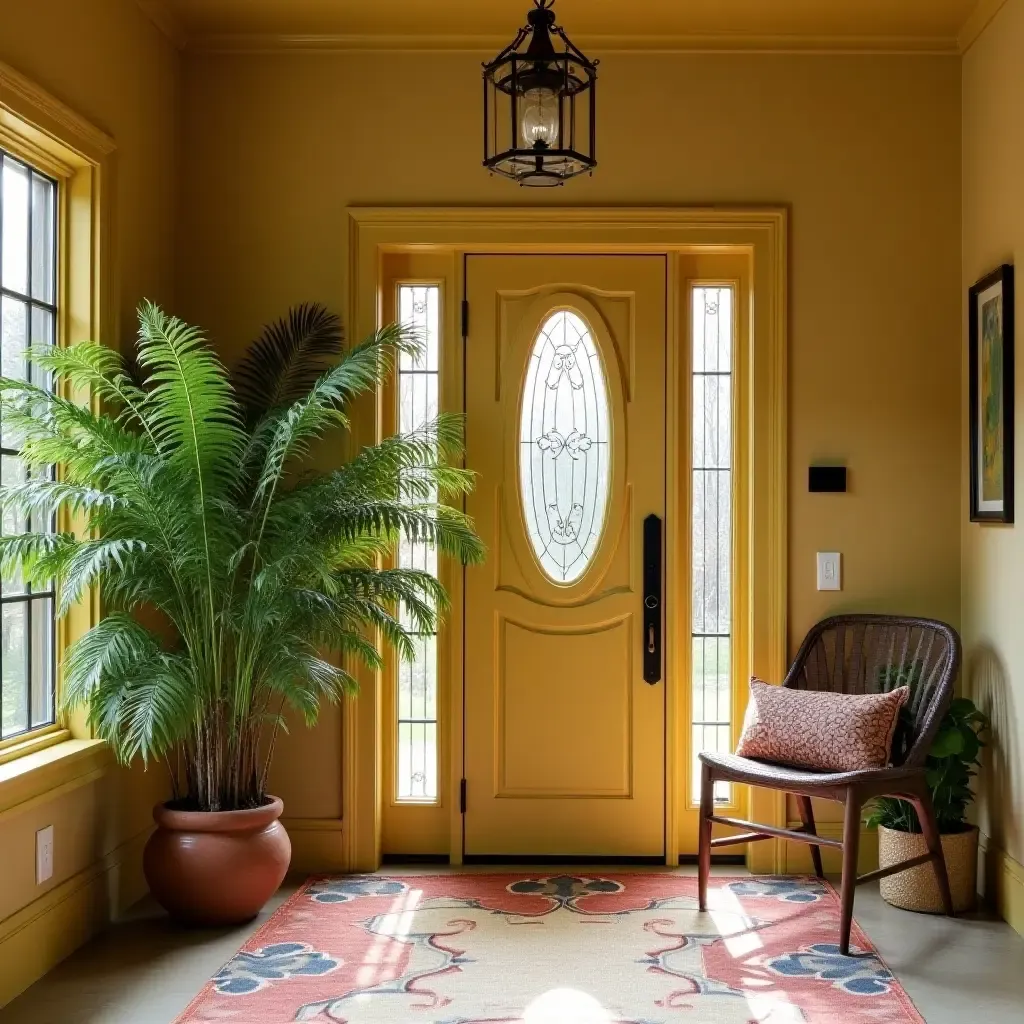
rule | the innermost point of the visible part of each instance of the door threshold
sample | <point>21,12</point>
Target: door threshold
<point>523,860</point>
<point>576,858</point>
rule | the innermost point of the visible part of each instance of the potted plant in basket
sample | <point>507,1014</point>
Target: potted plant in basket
<point>950,767</point>
<point>194,494</point>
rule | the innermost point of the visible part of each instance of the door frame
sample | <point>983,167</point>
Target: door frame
<point>759,233</point>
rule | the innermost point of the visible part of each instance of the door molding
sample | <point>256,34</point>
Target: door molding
<point>762,234</point>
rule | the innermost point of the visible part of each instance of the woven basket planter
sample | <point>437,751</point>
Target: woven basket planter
<point>916,888</point>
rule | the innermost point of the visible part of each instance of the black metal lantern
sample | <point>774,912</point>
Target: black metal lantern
<point>539,105</point>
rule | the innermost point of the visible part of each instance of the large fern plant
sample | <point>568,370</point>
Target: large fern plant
<point>195,493</point>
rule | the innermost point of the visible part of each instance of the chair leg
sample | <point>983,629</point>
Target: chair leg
<point>851,850</point>
<point>926,815</point>
<point>807,817</point>
<point>707,808</point>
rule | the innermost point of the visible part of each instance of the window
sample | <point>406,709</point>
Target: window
<point>28,296</point>
<point>711,598</point>
<point>417,768</point>
<point>564,451</point>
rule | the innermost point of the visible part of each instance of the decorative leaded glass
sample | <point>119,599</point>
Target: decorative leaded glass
<point>711,561</point>
<point>418,378</point>
<point>565,455</point>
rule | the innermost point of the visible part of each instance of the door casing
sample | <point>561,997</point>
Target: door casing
<point>446,235</point>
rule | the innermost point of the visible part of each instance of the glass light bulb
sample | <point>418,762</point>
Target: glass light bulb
<point>539,118</point>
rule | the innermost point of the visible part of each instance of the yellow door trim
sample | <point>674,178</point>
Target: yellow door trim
<point>454,232</point>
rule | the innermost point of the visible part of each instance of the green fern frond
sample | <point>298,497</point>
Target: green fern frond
<point>38,497</point>
<point>285,362</point>
<point>198,499</point>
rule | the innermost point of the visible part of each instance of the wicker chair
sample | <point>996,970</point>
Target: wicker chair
<point>852,654</point>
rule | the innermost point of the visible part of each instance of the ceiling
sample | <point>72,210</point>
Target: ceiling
<point>836,25</point>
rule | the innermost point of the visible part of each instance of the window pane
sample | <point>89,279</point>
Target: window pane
<point>711,702</point>
<point>41,662</point>
<point>44,238</point>
<point>419,307</point>
<point>564,461</point>
<point>15,676</point>
<point>711,556</point>
<point>418,400</point>
<point>14,327</point>
<point>416,680</point>
<point>41,332</point>
<point>12,472</point>
<point>417,761</point>
<point>15,198</point>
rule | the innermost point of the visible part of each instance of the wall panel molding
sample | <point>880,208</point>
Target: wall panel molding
<point>38,936</point>
<point>317,845</point>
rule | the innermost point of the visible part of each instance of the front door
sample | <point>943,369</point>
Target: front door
<point>565,405</point>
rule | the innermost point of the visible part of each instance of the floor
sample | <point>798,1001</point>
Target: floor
<point>145,971</point>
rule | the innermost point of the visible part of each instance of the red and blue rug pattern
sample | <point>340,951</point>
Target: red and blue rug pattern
<point>551,948</point>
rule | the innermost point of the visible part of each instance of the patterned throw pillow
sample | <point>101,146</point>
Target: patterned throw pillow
<point>830,732</point>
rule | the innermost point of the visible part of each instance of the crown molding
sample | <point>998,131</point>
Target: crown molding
<point>165,20</point>
<point>979,20</point>
<point>256,43</point>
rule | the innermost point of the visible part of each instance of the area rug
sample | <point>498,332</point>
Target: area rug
<point>550,948</point>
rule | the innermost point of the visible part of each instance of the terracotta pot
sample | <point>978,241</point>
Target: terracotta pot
<point>916,888</point>
<point>216,867</point>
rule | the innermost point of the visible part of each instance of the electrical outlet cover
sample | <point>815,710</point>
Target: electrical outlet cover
<point>44,855</point>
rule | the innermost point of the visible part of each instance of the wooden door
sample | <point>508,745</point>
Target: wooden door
<point>565,404</point>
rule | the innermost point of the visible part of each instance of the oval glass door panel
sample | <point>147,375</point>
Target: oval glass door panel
<point>564,449</point>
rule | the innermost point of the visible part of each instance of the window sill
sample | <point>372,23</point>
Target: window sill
<point>64,763</point>
<point>50,736</point>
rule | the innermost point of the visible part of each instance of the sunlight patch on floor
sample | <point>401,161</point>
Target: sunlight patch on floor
<point>566,1006</point>
<point>726,910</point>
<point>384,952</point>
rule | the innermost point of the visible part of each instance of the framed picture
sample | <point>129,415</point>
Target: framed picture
<point>990,311</point>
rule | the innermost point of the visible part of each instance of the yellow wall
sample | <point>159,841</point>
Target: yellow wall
<point>106,61</point>
<point>864,149</point>
<point>993,556</point>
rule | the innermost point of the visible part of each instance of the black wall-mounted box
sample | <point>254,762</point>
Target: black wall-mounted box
<point>827,479</point>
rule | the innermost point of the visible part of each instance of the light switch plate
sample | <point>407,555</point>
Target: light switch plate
<point>44,855</point>
<point>830,570</point>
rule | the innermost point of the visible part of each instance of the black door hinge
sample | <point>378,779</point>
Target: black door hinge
<point>462,796</point>
<point>465,318</point>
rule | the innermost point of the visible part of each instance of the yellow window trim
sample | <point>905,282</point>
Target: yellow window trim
<point>40,129</point>
<point>38,775</point>
<point>29,742</point>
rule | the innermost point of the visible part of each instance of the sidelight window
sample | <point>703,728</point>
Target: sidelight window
<point>711,597</point>
<point>417,768</point>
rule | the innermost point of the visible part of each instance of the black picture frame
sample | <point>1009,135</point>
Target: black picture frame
<point>992,296</point>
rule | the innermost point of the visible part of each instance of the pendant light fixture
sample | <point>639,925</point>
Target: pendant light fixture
<point>540,105</point>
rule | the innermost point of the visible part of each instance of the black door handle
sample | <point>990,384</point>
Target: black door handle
<point>652,600</point>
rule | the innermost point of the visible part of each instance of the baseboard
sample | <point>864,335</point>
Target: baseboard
<point>1002,883</point>
<point>36,938</point>
<point>795,858</point>
<point>317,846</point>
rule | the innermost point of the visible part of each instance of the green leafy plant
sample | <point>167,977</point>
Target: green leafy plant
<point>195,493</point>
<point>949,768</point>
